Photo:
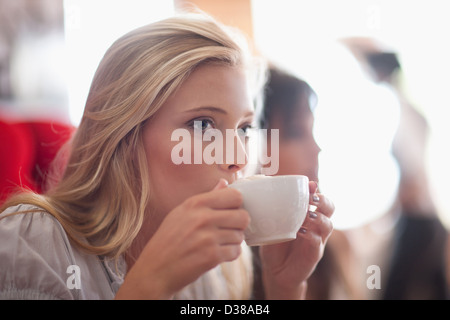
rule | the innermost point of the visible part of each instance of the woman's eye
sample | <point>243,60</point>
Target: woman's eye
<point>202,124</point>
<point>246,129</point>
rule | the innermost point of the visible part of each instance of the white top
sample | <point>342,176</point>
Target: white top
<point>37,261</point>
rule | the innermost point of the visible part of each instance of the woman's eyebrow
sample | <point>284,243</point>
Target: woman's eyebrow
<point>213,109</point>
<point>216,109</point>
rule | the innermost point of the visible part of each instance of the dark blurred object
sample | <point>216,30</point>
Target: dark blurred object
<point>417,269</point>
<point>384,64</point>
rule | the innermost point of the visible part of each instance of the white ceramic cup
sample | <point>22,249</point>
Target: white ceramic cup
<point>277,206</point>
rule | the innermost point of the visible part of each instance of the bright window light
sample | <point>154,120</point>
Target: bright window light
<point>356,119</point>
<point>90,28</point>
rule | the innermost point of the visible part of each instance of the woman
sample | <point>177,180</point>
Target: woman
<point>288,107</point>
<point>134,224</point>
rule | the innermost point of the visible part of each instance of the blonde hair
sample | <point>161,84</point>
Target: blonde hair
<point>103,193</point>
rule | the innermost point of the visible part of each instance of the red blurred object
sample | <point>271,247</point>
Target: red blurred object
<point>26,151</point>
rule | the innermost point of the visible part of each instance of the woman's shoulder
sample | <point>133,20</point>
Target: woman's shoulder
<point>38,261</point>
<point>18,212</point>
<point>35,248</point>
<point>29,223</point>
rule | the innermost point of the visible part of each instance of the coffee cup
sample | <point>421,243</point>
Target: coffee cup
<point>277,206</point>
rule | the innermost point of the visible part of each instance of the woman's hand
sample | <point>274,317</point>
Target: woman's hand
<point>204,231</point>
<point>287,266</point>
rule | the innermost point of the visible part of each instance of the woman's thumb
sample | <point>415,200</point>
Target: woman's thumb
<point>221,184</point>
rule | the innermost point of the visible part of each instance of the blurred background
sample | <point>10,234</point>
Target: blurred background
<point>49,50</point>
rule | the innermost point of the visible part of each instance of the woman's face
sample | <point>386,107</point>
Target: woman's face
<point>212,97</point>
<point>298,150</point>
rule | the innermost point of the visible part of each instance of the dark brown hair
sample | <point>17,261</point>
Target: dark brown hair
<point>285,95</point>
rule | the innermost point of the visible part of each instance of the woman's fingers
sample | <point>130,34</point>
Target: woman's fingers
<point>314,250</point>
<point>231,219</point>
<point>313,186</point>
<point>323,204</point>
<point>230,237</point>
<point>317,223</point>
<point>230,252</point>
<point>222,198</point>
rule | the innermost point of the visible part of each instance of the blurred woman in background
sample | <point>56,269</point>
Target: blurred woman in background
<point>288,106</point>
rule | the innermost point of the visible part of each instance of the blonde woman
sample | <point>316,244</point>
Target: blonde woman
<point>123,220</point>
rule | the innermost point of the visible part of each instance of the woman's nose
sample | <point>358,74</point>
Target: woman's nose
<point>235,154</point>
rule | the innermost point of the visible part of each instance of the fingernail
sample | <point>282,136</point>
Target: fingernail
<point>315,198</point>
<point>302,230</point>
<point>312,215</point>
<point>221,184</point>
